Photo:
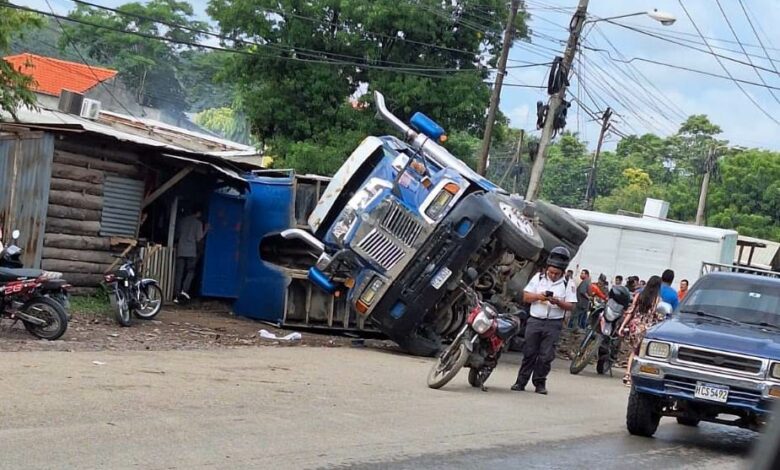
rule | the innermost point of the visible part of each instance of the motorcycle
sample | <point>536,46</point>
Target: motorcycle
<point>22,299</point>
<point>133,295</point>
<point>53,286</point>
<point>602,338</point>
<point>478,345</point>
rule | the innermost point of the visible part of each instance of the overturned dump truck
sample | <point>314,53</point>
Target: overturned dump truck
<point>402,220</point>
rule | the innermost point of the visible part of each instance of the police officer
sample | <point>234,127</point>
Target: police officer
<point>550,297</point>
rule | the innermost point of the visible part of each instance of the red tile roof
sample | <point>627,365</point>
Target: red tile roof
<point>52,75</point>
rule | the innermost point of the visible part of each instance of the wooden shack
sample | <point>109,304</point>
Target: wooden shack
<point>82,192</point>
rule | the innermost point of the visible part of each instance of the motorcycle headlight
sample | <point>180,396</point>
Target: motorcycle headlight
<point>774,371</point>
<point>482,323</point>
<point>658,350</point>
<point>442,200</point>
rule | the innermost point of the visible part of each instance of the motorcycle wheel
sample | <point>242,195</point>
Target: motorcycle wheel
<point>588,349</point>
<point>52,313</point>
<point>478,377</point>
<point>122,309</point>
<point>150,302</point>
<point>447,366</point>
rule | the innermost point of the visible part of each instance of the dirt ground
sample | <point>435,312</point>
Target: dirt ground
<point>200,326</point>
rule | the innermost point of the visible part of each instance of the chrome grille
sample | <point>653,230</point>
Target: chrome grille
<point>719,360</point>
<point>380,248</point>
<point>402,225</point>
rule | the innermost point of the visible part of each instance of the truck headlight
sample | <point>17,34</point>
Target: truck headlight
<point>774,371</point>
<point>658,350</point>
<point>442,200</point>
<point>342,226</point>
<point>371,291</point>
<point>359,201</point>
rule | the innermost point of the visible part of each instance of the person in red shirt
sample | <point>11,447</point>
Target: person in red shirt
<point>683,289</point>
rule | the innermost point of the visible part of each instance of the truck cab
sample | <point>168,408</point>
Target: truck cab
<point>717,358</point>
<point>403,219</point>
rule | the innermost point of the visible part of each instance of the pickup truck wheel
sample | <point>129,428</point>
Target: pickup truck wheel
<point>517,232</point>
<point>692,422</point>
<point>642,417</point>
<point>560,223</point>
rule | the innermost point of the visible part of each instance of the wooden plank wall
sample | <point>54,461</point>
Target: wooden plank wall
<point>72,243</point>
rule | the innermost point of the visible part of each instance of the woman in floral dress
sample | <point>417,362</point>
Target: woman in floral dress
<point>641,316</point>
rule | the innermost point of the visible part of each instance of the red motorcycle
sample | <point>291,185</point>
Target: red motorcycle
<point>21,299</point>
<point>479,345</point>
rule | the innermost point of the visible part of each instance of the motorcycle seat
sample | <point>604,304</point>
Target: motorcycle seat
<point>14,274</point>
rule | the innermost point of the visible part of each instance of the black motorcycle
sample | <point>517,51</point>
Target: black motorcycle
<point>602,339</point>
<point>52,284</point>
<point>132,294</point>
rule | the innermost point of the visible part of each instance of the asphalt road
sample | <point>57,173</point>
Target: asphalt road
<point>320,408</point>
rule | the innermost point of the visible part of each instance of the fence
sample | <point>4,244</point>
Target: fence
<point>707,268</point>
<point>159,262</point>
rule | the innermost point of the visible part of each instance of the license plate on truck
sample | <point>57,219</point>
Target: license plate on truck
<point>711,392</point>
<point>440,278</point>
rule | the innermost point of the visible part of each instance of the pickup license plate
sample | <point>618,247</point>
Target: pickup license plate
<point>711,392</point>
<point>441,277</point>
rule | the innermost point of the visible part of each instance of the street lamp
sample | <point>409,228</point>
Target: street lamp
<point>666,19</point>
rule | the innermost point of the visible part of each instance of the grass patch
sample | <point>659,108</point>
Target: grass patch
<point>97,304</point>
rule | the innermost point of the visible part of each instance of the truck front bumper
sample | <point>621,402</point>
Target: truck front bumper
<point>676,382</point>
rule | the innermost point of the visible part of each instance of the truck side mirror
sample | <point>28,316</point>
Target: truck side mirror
<point>15,234</point>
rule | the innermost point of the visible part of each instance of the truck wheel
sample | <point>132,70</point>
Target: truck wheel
<point>560,223</point>
<point>517,232</point>
<point>642,417</point>
<point>419,346</point>
<point>551,241</point>
<point>692,422</point>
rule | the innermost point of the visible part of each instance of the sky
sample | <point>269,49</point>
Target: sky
<point>645,97</point>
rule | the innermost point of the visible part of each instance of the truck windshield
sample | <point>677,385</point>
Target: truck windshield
<point>756,303</point>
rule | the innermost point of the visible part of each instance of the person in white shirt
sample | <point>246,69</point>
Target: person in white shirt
<point>550,296</point>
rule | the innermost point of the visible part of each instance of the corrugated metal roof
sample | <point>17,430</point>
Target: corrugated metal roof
<point>122,198</point>
<point>652,225</point>
<point>43,118</point>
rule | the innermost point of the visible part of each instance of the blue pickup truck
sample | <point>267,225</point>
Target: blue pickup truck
<point>716,359</point>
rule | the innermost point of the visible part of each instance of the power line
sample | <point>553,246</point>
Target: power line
<point>728,22</point>
<point>758,38</point>
<point>741,88</point>
<point>73,45</point>
<point>709,49</point>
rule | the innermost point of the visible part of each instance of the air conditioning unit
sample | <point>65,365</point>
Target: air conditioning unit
<point>90,109</point>
<point>70,102</point>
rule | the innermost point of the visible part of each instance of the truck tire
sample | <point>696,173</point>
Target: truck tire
<point>560,223</point>
<point>419,346</point>
<point>517,232</point>
<point>551,241</point>
<point>642,418</point>
<point>692,422</point>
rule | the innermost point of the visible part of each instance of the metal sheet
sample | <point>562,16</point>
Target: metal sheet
<point>122,198</point>
<point>25,174</point>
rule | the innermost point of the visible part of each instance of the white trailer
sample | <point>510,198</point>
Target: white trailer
<point>642,246</point>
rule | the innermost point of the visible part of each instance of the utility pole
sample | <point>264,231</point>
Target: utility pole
<point>709,165</point>
<point>590,192</point>
<point>509,34</point>
<point>515,158</point>
<point>575,28</point>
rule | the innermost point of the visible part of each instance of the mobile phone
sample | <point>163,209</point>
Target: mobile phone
<point>548,293</point>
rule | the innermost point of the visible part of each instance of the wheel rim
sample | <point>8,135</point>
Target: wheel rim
<point>124,310</point>
<point>149,302</point>
<point>585,354</point>
<point>46,313</point>
<point>448,360</point>
<point>520,221</point>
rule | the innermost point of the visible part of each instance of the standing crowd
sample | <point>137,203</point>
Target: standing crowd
<point>556,300</point>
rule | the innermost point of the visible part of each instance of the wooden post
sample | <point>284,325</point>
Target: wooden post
<point>705,186</point>
<point>166,186</point>
<point>172,221</point>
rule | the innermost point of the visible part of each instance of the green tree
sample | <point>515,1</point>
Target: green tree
<point>227,123</point>
<point>202,74</point>
<point>566,172</point>
<point>630,197</point>
<point>314,57</point>
<point>14,86</point>
<point>147,66</point>
<point>747,197</point>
